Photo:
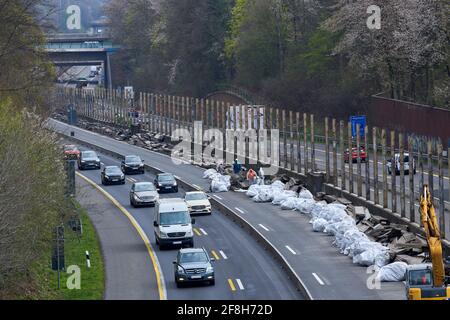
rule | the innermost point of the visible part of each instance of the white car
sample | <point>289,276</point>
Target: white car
<point>409,165</point>
<point>198,203</point>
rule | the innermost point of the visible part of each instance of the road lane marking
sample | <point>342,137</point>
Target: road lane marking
<point>129,180</point>
<point>241,211</point>
<point>197,232</point>
<point>231,284</point>
<point>218,197</point>
<point>239,283</point>
<point>216,256</point>
<point>264,227</point>
<point>291,250</point>
<point>224,256</point>
<point>318,279</point>
<point>203,231</point>
<point>156,265</point>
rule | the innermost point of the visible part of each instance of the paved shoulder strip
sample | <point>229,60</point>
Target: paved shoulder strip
<point>159,276</point>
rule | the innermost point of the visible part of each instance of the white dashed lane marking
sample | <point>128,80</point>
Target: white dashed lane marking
<point>264,227</point>
<point>318,279</point>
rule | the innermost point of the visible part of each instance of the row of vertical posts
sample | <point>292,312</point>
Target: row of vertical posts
<point>297,148</point>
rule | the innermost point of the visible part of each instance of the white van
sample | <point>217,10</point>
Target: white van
<point>173,223</point>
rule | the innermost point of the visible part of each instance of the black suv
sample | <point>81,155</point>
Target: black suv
<point>88,160</point>
<point>193,265</point>
<point>166,182</point>
<point>133,164</point>
<point>112,175</point>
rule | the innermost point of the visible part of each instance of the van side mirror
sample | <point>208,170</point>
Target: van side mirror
<point>174,262</point>
<point>155,224</point>
<point>193,221</point>
<point>213,259</point>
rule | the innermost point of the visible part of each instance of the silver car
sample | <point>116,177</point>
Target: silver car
<point>409,164</point>
<point>143,194</point>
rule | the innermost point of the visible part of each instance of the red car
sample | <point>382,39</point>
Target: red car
<point>71,152</point>
<point>362,154</point>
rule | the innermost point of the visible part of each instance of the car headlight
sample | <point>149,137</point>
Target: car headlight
<point>122,176</point>
<point>141,165</point>
<point>190,233</point>
<point>137,198</point>
<point>209,269</point>
<point>180,270</point>
<point>163,234</point>
<point>107,177</point>
<point>175,184</point>
<point>82,161</point>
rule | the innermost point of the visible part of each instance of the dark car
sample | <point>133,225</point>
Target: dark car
<point>143,194</point>
<point>133,164</point>
<point>88,160</point>
<point>166,182</point>
<point>193,266</point>
<point>362,155</point>
<point>112,175</point>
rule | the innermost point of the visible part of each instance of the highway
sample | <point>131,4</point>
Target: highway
<point>323,270</point>
<point>244,270</point>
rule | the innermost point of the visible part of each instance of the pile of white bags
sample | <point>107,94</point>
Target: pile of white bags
<point>394,272</point>
<point>219,183</point>
<point>280,196</point>
<point>265,193</point>
<point>333,220</point>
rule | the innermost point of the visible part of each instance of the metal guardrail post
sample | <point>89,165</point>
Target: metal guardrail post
<point>402,177</point>
<point>342,149</point>
<point>350,160</point>
<point>393,174</point>
<point>412,207</point>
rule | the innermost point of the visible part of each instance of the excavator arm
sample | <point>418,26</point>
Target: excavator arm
<point>431,226</point>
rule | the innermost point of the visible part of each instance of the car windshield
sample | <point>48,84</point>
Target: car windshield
<point>174,218</point>
<point>132,159</point>
<point>144,187</point>
<point>190,257</point>
<point>70,148</point>
<point>165,178</point>
<point>89,155</point>
<point>113,170</point>
<point>420,278</point>
<point>196,196</point>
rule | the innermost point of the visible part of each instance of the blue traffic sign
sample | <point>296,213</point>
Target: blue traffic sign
<point>361,120</point>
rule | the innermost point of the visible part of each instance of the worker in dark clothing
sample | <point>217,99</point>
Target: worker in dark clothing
<point>237,167</point>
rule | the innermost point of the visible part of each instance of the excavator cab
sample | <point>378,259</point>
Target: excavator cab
<point>428,281</point>
<point>420,285</point>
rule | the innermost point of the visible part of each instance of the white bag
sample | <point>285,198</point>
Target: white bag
<point>394,272</point>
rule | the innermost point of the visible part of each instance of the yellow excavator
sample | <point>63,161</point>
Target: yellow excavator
<point>428,281</point>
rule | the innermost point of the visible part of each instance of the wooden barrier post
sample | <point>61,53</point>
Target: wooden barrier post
<point>376,198</point>
<point>412,207</point>
<point>358,159</point>
<point>335,162</point>
<point>327,152</point>
<point>342,149</point>
<point>291,142</point>
<point>305,138</point>
<point>393,174</point>
<point>350,160</point>
<point>402,177</point>
<point>299,144</point>
<point>313,146</point>
<point>441,191</point>
<point>384,155</point>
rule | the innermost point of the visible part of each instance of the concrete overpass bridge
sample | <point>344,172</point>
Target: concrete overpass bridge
<point>67,50</point>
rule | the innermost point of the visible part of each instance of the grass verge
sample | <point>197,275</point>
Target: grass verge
<point>92,279</point>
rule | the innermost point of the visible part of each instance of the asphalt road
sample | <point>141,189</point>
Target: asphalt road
<point>127,264</point>
<point>326,273</point>
<point>253,273</point>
